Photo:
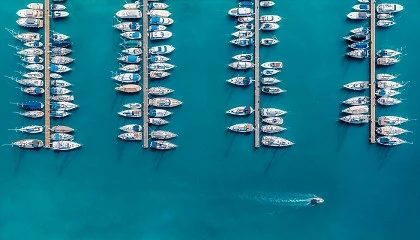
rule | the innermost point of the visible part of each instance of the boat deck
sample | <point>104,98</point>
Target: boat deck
<point>257,75</point>
<point>145,76</point>
<point>372,72</point>
<point>47,72</point>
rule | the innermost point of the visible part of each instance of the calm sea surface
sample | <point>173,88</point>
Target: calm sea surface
<point>114,190</point>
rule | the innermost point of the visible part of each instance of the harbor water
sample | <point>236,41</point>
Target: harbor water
<point>215,185</point>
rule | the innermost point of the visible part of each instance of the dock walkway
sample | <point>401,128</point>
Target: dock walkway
<point>257,75</point>
<point>372,72</point>
<point>47,73</point>
<point>145,76</point>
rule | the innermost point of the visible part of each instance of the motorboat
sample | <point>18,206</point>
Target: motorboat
<point>162,135</point>
<point>360,30</point>
<point>31,129</point>
<point>32,75</point>
<point>273,120</point>
<point>164,102</point>
<point>245,19</point>
<point>269,26</point>
<point>128,88</point>
<point>274,65</point>
<point>158,74</point>
<point>391,120</point>
<point>130,59</point>
<point>61,60</point>
<point>160,113</point>
<point>162,145</point>
<point>160,35</point>
<point>269,72</point>
<point>34,67</point>
<point>158,121</point>
<point>391,130</point>
<point>131,113</point>
<point>62,137</point>
<point>33,90</point>
<point>131,136</point>
<point>161,21</point>
<point>243,42</point>
<point>241,12</point>
<point>243,34</point>
<point>59,68</point>
<point>357,37</point>
<point>131,68</point>
<point>62,98</point>
<point>357,85</point>
<point>128,26</point>
<point>245,26</point>
<point>242,127</point>
<point>57,7</point>
<point>390,84</point>
<point>386,61</point>
<point>154,28</point>
<point>267,3</point>
<point>238,65</point>
<point>158,58</point>
<point>241,111</point>
<point>388,101</point>
<point>132,35</point>
<point>361,7</point>
<point>132,51</point>
<point>385,23</point>
<point>358,15</point>
<point>36,6</point>
<point>129,14</point>
<point>127,77</point>
<point>359,45</point>
<point>272,112</point>
<point>272,129</point>
<point>356,101</point>
<point>161,66</point>
<point>63,106</point>
<point>133,5</point>
<point>241,81</point>
<point>249,4</point>
<point>387,53</point>
<point>30,13</point>
<point>65,145</point>
<point>160,91</point>
<point>273,141</point>
<point>269,41</point>
<point>131,128</point>
<point>59,14</point>
<point>390,141</point>
<point>386,93</point>
<point>62,129</point>
<point>244,57</point>
<point>384,16</point>
<point>30,105</point>
<point>385,77</point>
<point>60,51</point>
<point>33,59</point>
<point>358,53</point>
<point>158,5</point>
<point>356,118</point>
<point>389,8</point>
<point>32,114</point>
<point>133,105</point>
<point>28,144</point>
<point>272,90</point>
<point>269,80</point>
<point>59,114</point>
<point>356,110</point>
<point>163,49</point>
<point>159,13</point>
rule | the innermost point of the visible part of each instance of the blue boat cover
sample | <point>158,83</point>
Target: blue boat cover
<point>152,112</point>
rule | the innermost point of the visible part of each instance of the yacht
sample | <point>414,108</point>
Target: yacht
<point>273,141</point>
<point>386,61</point>
<point>65,145</point>
<point>272,112</point>
<point>356,110</point>
<point>389,8</point>
<point>128,88</point>
<point>129,14</point>
<point>391,120</point>
<point>244,57</point>
<point>270,18</point>
<point>242,128</point>
<point>241,81</point>
<point>358,15</point>
<point>130,136</point>
<point>164,102</point>
<point>391,130</point>
<point>385,23</point>
<point>386,93</point>
<point>358,53</point>
<point>241,111</point>
<point>387,53</point>
<point>273,65</point>
<point>272,90</point>
<point>269,80</point>
<point>240,12</point>
<point>356,101</point>
<point>389,84</point>
<point>390,141</point>
<point>162,135</point>
<point>30,22</point>
<point>357,85</point>
<point>160,113</point>
<point>355,118</point>
<point>272,129</point>
<point>131,128</point>
<point>385,77</point>
<point>388,101</point>
<point>361,7</point>
<point>160,91</point>
<point>162,145</point>
<point>273,120</point>
<point>239,65</point>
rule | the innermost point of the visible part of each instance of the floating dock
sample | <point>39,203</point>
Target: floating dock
<point>372,72</point>
<point>47,72</point>
<point>145,76</point>
<point>257,75</point>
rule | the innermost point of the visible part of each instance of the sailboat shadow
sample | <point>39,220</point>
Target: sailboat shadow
<point>270,163</point>
<point>230,142</point>
<point>120,150</point>
<point>65,162</point>
<point>18,161</point>
<point>159,158</point>
<point>384,156</point>
<point>342,133</point>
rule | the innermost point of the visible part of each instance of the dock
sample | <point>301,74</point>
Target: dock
<point>47,73</point>
<point>372,72</point>
<point>257,75</point>
<point>145,76</point>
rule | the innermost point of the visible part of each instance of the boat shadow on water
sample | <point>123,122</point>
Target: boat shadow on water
<point>65,159</point>
<point>275,155</point>
<point>160,156</point>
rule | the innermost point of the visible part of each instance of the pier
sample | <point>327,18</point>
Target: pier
<point>145,76</point>
<point>47,72</point>
<point>372,72</point>
<point>257,75</point>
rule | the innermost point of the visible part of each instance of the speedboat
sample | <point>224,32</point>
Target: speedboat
<point>358,53</point>
<point>269,72</point>
<point>357,85</point>
<point>127,77</point>
<point>357,37</point>
<point>273,120</point>
<point>241,81</point>
<point>132,51</point>
<point>133,35</point>
<point>384,16</point>
<point>161,66</point>
<point>358,15</point>
<point>240,12</point>
<point>391,120</point>
<point>38,75</point>
<point>159,13</point>
<point>385,23</point>
<point>129,88</point>
<point>272,112</point>
<point>65,145</point>
<point>130,136</point>
<point>158,74</point>
<point>273,141</point>
<point>158,121</point>
<point>61,129</point>
<point>164,102</point>
<point>356,101</point>
<point>269,26</point>
<point>62,137</point>
<point>388,101</point>
<point>390,84</point>
<point>57,7</point>
<point>272,129</point>
<point>269,80</point>
<point>267,3</point>
<point>131,128</point>
<point>243,42</point>
<point>359,45</point>
<point>59,14</point>
<point>28,143</point>
<point>242,127</point>
<point>61,60</point>
<point>356,110</point>
<point>245,19</point>
<point>391,130</point>
<point>63,98</point>
<point>33,90</point>
<point>129,14</point>
<point>160,35</point>
<point>243,34</point>
<point>245,26</point>
<point>30,13</point>
<point>154,28</point>
<point>158,5</point>
<point>162,135</point>
<point>272,90</point>
<point>269,41</point>
<point>274,65</point>
<point>241,111</point>
<point>361,7</point>
<point>239,65</point>
<point>134,5</point>
<point>133,105</point>
<point>131,113</point>
<point>389,8</point>
<point>131,68</point>
<point>386,61</point>
<point>386,92</point>
<point>160,91</point>
<point>161,21</point>
<point>158,58</point>
<point>30,129</point>
<point>130,59</point>
<point>360,30</point>
<point>355,118</point>
<point>390,141</point>
<point>160,113</point>
<point>163,49</point>
<point>162,145</point>
<point>387,53</point>
<point>245,57</point>
<point>30,105</point>
<point>128,26</point>
<point>32,114</point>
<point>59,68</point>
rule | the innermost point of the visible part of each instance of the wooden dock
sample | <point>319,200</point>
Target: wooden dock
<point>145,76</point>
<point>47,72</point>
<point>257,75</point>
<point>372,72</point>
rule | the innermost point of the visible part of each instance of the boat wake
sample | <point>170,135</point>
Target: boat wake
<point>282,199</point>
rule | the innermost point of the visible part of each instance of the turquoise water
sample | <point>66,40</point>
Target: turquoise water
<point>114,190</point>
